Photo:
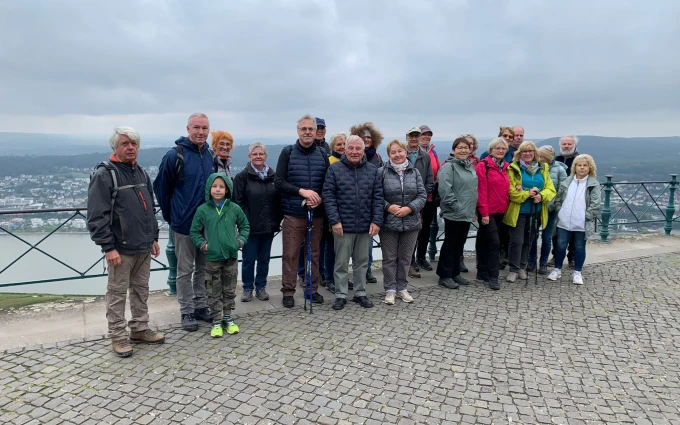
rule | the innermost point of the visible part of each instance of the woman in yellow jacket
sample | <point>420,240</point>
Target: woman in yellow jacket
<point>531,190</point>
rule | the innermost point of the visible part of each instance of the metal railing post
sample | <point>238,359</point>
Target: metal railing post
<point>606,210</point>
<point>434,230</point>
<point>172,265</point>
<point>670,208</point>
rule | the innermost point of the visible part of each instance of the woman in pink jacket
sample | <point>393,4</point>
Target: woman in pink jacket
<point>493,189</point>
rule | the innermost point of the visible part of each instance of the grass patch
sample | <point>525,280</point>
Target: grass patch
<point>8,300</point>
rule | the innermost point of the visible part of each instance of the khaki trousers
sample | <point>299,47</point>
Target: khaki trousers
<point>132,276</point>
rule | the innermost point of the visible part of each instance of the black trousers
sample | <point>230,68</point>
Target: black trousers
<point>455,236</point>
<point>427,214</point>
<point>488,245</point>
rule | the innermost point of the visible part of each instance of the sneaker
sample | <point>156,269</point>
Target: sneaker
<point>247,296</point>
<point>363,301</point>
<point>494,284</point>
<point>482,277</point>
<point>522,274</point>
<point>448,283</point>
<point>350,285</point>
<point>189,323</point>
<point>262,295</point>
<point>421,262</point>
<point>339,303</point>
<point>461,280</point>
<point>405,296</point>
<point>231,327</point>
<point>512,276</point>
<point>288,301</point>
<point>122,347</point>
<point>389,297</point>
<point>203,314</point>
<point>555,274</point>
<point>330,285</point>
<point>412,272</point>
<point>578,278</point>
<point>216,330</point>
<point>463,267</point>
<point>147,336</point>
<point>543,270</point>
<point>531,267</point>
<point>370,278</point>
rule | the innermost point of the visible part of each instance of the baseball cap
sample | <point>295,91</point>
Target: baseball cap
<point>320,122</point>
<point>413,130</point>
<point>425,129</point>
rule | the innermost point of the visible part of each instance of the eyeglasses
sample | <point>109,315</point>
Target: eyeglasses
<point>507,136</point>
<point>462,148</point>
<point>412,135</point>
<point>527,151</point>
<point>306,129</point>
<point>500,148</point>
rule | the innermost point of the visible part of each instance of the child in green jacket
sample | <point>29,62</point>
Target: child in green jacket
<point>213,231</point>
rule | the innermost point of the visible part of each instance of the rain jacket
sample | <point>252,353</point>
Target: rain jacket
<point>519,196</point>
<point>493,187</point>
<point>458,190</point>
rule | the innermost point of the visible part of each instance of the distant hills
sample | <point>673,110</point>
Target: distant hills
<point>638,158</point>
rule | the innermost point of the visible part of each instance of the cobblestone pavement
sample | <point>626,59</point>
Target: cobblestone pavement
<point>607,352</point>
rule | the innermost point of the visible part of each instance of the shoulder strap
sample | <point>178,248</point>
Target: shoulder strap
<point>179,163</point>
<point>114,180</point>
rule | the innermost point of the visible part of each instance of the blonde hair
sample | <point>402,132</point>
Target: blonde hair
<point>523,146</point>
<point>592,168</point>
<point>335,137</point>
<point>399,142</point>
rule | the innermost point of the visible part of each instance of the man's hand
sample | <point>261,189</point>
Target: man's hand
<point>485,220</point>
<point>393,209</point>
<point>374,229</point>
<point>155,249</point>
<point>337,229</point>
<point>313,198</point>
<point>113,258</point>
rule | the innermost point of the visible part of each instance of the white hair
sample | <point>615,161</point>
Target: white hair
<point>256,145</point>
<point>335,137</point>
<point>495,142</point>
<point>197,115</point>
<point>308,117</point>
<point>130,132</point>
<point>574,138</point>
<point>354,138</point>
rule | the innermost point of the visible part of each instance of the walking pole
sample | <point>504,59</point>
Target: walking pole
<point>308,267</point>
<point>535,229</point>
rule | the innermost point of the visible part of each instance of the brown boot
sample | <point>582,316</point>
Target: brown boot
<point>147,335</point>
<point>122,347</point>
<point>412,272</point>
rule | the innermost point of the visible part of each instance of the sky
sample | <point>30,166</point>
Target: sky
<point>604,67</point>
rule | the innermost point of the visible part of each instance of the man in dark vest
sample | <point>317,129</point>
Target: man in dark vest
<point>300,175</point>
<point>568,151</point>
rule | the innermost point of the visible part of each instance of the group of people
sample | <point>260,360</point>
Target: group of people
<point>349,193</point>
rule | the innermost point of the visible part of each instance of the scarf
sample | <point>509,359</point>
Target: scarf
<point>370,153</point>
<point>499,162</point>
<point>336,155</point>
<point>261,174</point>
<point>400,168</point>
<point>531,168</point>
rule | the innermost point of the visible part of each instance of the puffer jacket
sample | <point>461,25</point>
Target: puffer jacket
<point>411,195</point>
<point>259,199</point>
<point>558,173</point>
<point>593,202</point>
<point>353,195</point>
<point>493,187</point>
<point>519,196</point>
<point>300,168</point>
<point>217,227</point>
<point>133,227</point>
<point>458,189</point>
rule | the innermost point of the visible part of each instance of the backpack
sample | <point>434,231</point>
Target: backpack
<point>179,163</point>
<point>114,178</point>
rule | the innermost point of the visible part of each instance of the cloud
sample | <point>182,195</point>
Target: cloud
<point>259,65</point>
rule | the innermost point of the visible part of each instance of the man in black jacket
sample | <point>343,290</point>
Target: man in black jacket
<point>121,220</point>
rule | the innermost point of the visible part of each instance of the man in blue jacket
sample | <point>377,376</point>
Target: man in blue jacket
<point>180,189</point>
<point>353,197</point>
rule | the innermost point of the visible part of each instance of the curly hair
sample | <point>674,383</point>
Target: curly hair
<point>589,160</point>
<point>359,129</point>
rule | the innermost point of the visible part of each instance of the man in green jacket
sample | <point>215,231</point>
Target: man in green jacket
<point>213,231</point>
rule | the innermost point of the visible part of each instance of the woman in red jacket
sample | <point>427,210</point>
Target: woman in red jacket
<point>493,197</point>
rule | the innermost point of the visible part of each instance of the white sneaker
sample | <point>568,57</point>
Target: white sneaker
<point>578,278</point>
<point>555,274</point>
<point>512,276</point>
<point>389,297</point>
<point>405,296</point>
<point>523,275</point>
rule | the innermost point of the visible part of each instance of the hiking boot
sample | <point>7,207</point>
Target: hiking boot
<point>578,278</point>
<point>463,267</point>
<point>448,283</point>
<point>421,262</point>
<point>389,297</point>
<point>317,298</point>
<point>122,347</point>
<point>363,301</point>
<point>330,285</point>
<point>288,301</point>
<point>339,303</point>
<point>412,272</point>
<point>189,323</point>
<point>543,270</point>
<point>262,295</point>
<point>461,280</point>
<point>555,274</point>
<point>230,327</point>
<point>522,274</point>
<point>482,277</point>
<point>147,336</point>
<point>350,285</point>
<point>494,284</point>
<point>247,296</point>
<point>216,330</point>
<point>203,314</point>
<point>370,278</point>
<point>405,296</point>
<point>512,276</point>
<point>531,267</point>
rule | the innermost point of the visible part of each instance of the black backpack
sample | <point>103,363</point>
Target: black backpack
<point>179,163</point>
<point>116,188</point>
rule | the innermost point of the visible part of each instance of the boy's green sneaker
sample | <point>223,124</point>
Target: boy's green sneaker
<point>231,327</point>
<point>216,331</point>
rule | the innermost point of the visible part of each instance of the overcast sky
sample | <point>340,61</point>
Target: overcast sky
<point>605,67</point>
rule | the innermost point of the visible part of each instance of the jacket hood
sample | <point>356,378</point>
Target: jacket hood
<point>211,180</point>
<point>186,144</point>
<point>359,129</point>
<point>464,162</point>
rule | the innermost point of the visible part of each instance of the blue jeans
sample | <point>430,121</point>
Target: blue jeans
<point>546,241</point>
<point>563,237</point>
<point>258,248</point>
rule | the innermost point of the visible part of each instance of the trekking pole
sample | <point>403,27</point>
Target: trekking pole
<point>535,229</point>
<point>308,267</point>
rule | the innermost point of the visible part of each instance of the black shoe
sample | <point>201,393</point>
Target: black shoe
<point>317,298</point>
<point>189,323</point>
<point>424,264</point>
<point>461,280</point>
<point>324,282</point>
<point>363,301</point>
<point>448,283</point>
<point>288,301</point>
<point>350,285</point>
<point>494,284</point>
<point>415,266</point>
<point>482,277</point>
<point>339,304</point>
<point>501,266</point>
<point>531,267</point>
<point>330,285</point>
<point>370,278</point>
<point>203,314</point>
<point>463,267</point>
<point>543,270</point>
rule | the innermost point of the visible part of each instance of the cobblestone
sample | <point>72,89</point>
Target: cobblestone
<point>553,353</point>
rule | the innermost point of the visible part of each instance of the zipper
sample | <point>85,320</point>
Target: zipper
<point>402,197</point>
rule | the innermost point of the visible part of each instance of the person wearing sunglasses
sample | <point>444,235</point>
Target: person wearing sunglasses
<point>508,135</point>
